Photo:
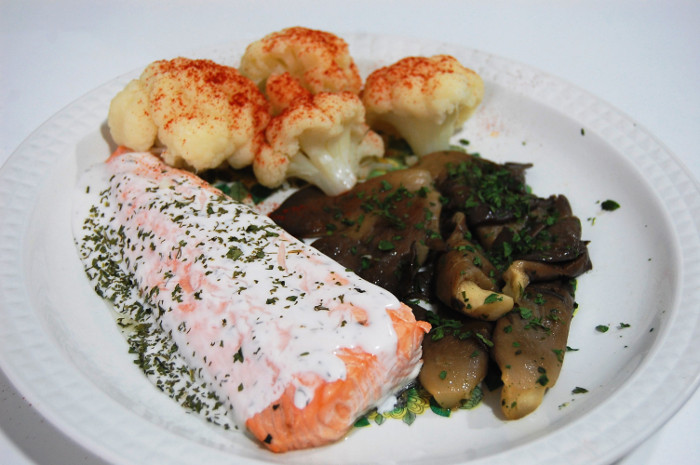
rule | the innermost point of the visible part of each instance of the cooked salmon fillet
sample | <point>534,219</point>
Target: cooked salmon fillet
<point>296,345</point>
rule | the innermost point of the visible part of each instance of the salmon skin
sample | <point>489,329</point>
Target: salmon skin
<point>294,344</point>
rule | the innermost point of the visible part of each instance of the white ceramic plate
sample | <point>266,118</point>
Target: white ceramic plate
<point>60,346</point>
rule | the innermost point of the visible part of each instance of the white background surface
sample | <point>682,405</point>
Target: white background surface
<point>640,56</point>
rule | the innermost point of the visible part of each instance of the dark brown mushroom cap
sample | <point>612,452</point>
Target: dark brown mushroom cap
<point>382,229</point>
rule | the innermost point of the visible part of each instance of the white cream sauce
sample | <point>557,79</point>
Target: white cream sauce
<point>249,306</point>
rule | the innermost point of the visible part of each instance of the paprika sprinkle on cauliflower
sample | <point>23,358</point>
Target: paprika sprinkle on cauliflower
<point>203,113</point>
<point>424,99</point>
<point>320,60</point>
<point>282,90</point>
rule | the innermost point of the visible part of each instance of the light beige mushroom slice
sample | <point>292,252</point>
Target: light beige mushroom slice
<point>529,345</point>
<point>481,303</point>
<point>453,365</point>
<point>466,279</point>
<point>518,401</point>
<point>516,280</point>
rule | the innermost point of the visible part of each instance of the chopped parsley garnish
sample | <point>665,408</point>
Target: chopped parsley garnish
<point>442,327</point>
<point>609,205</point>
<point>560,354</point>
<point>385,245</point>
<point>234,253</point>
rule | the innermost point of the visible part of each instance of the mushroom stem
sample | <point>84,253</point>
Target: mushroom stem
<point>481,303</point>
<point>516,280</point>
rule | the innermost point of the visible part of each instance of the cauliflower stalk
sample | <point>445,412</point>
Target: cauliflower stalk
<point>321,139</point>
<point>203,113</point>
<point>318,59</point>
<point>426,100</point>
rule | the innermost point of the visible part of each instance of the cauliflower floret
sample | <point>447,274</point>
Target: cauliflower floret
<point>282,89</point>
<point>424,99</point>
<point>205,114</point>
<point>129,118</point>
<point>322,140</point>
<point>319,60</point>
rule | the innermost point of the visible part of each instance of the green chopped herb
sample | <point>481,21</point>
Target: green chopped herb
<point>475,398</point>
<point>609,205</point>
<point>579,390</point>
<point>560,354</point>
<point>483,339</point>
<point>385,245</point>
<point>525,313</point>
<point>602,328</point>
<point>234,253</point>
<point>238,191</point>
